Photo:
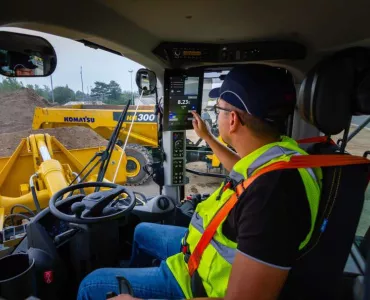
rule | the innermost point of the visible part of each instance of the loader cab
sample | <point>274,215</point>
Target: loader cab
<point>64,247</point>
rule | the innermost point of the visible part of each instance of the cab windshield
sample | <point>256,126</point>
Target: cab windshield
<point>86,76</point>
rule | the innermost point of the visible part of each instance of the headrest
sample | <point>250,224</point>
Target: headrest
<point>335,89</point>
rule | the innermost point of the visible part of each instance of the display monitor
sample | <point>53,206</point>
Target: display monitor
<point>183,94</point>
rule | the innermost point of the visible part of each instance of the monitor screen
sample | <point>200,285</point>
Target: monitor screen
<point>183,96</point>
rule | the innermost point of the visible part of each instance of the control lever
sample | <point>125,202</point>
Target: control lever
<point>110,295</point>
<point>65,236</point>
<point>124,288</point>
<point>187,208</point>
<point>197,198</point>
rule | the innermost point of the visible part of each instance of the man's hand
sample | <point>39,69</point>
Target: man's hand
<point>200,127</point>
<point>227,157</point>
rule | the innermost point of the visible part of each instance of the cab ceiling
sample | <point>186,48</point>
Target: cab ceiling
<point>319,24</point>
<point>136,27</point>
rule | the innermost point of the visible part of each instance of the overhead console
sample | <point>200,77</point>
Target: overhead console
<point>179,54</point>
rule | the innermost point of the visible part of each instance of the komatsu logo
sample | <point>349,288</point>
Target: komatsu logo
<point>79,120</point>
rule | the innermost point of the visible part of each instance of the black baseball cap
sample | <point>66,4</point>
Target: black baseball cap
<point>265,92</point>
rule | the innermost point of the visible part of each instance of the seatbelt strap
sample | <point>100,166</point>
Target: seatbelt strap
<point>316,139</point>
<point>296,162</point>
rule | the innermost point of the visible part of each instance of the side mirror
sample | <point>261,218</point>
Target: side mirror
<point>23,55</point>
<point>146,81</point>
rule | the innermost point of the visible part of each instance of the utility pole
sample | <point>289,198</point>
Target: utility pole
<point>82,83</point>
<point>132,91</point>
<point>52,88</point>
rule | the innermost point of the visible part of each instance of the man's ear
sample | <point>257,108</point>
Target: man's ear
<point>234,122</point>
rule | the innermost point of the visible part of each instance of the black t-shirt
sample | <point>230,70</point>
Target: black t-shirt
<point>271,219</point>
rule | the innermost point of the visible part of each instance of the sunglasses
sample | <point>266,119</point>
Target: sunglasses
<point>217,110</point>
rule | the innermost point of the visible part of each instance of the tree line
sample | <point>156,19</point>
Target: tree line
<point>109,93</point>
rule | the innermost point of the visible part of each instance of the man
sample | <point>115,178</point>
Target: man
<point>254,248</point>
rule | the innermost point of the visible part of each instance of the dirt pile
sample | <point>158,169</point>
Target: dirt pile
<point>16,109</point>
<point>16,114</point>
<point>71,138</point>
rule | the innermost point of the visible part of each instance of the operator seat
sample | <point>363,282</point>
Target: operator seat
<point>332,92</point>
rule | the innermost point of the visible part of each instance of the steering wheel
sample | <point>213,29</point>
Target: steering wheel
<point>96,207</point>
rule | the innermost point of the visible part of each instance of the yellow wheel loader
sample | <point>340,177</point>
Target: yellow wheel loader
<point>41,166</point>
<point>142,140</point>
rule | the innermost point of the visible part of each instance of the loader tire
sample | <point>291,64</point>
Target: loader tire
<point>137,157</point>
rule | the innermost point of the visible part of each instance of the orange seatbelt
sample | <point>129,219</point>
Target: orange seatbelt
<point>301,161</point>
<point>316,139</point>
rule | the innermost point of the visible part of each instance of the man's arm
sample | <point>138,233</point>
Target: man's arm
<point>253,280</point>
<point>227,157</point>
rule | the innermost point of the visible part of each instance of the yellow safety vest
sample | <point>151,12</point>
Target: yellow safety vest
<point>215,265</point>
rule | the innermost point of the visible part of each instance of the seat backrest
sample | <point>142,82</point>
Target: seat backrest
<point>326,100</point>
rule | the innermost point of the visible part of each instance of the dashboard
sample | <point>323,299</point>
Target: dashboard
<point>54,226</point>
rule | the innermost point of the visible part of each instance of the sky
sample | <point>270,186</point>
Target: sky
<point>97,65</point>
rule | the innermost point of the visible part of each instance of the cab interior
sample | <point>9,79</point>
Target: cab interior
<point>201,36</point>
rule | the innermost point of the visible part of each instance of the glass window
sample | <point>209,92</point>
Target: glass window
<point>202,159</point>
<point>358,145</point>
<point>83,74</point>
<point>364,224</point>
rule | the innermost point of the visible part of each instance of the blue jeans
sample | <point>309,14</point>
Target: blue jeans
<point>150,241</point>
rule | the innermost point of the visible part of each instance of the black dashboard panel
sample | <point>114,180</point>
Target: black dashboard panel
<point>178,54</point>
<point>52,225</point>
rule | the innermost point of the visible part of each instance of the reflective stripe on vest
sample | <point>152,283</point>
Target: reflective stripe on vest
<point>227,253</point>
<point>215,265</point>
<point>268,156</point>
<point>264,159</point>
